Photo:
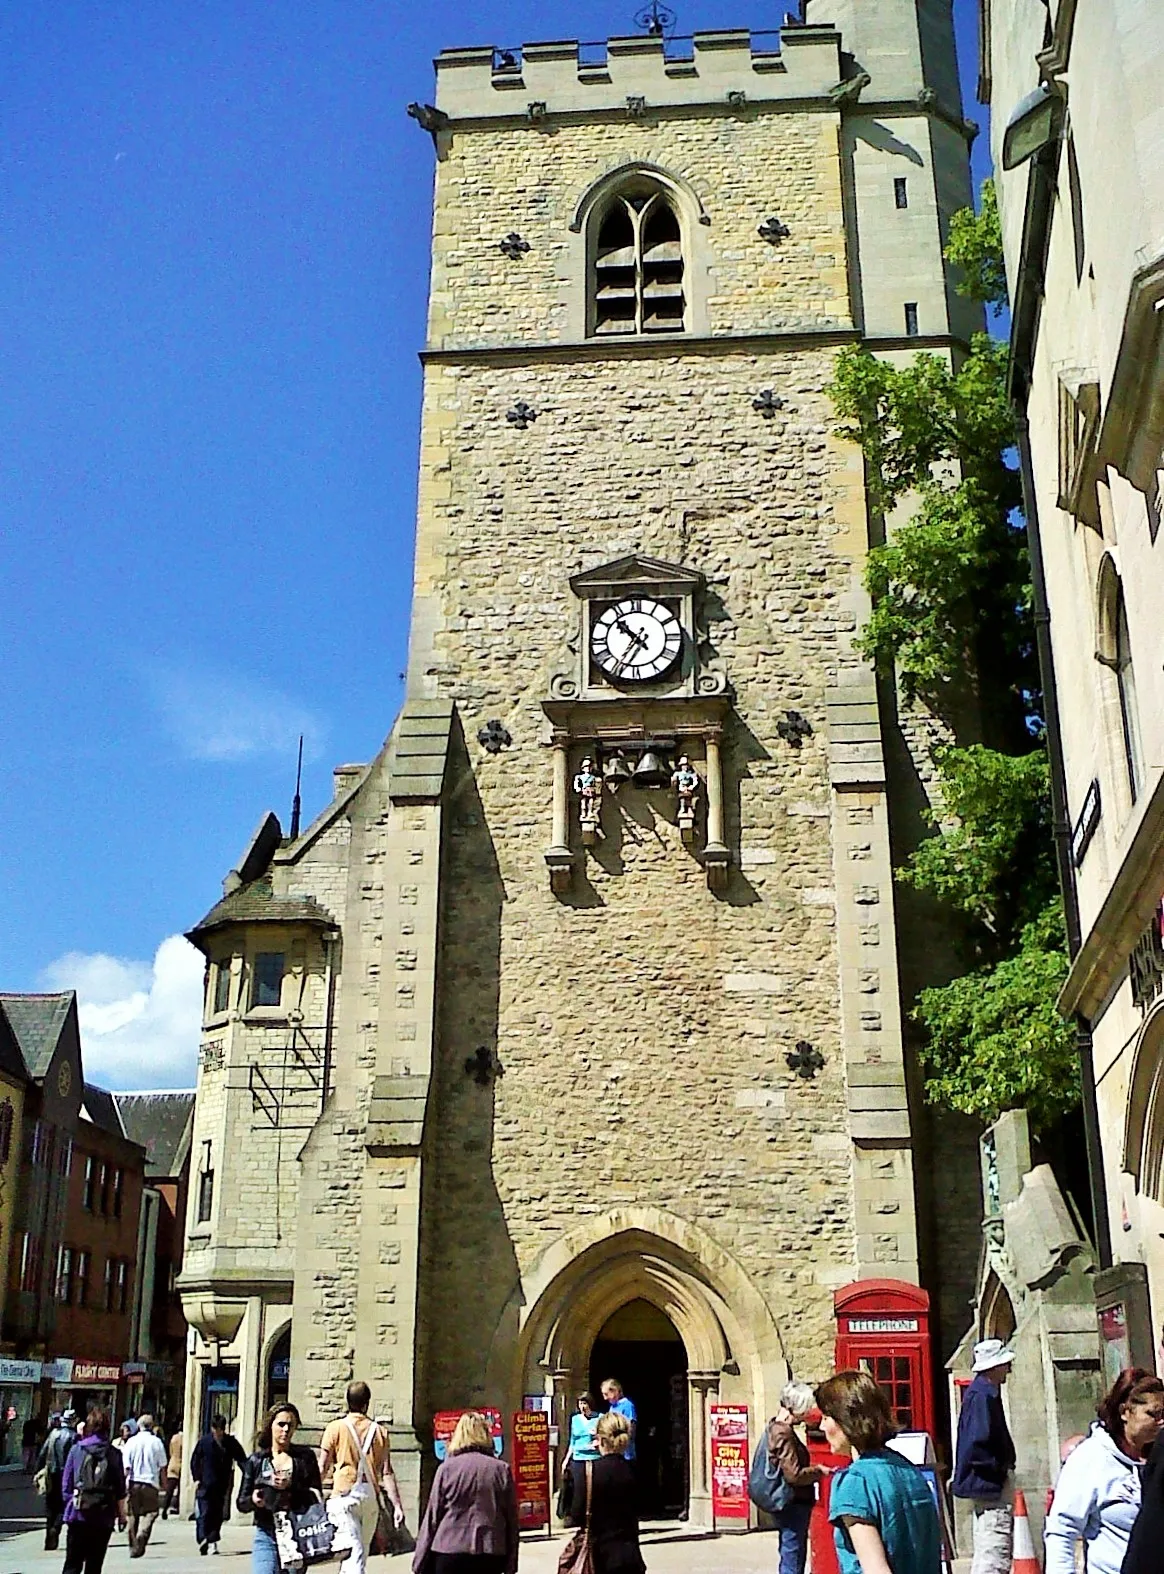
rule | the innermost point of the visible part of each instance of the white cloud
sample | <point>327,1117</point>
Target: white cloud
<point>139,1020</point>
<point>212,716</point>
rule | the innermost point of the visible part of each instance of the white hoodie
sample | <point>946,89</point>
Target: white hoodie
<point>1097,1497</point>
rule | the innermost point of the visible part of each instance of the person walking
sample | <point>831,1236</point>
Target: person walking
<point>356,1456</point>
<point>607,1500</point>
<point>1147,1537</point>
<point>278,1476</point>
<point>170,1503</point>
<point>985,1459</point>
<point>144,1458</point>
<point>213,1472</point>
<point>93,1485</point>
<point>1097,1495</point>
<point>583,1446</point>
<point>470,1524</point>
<point>880,1505</point>
<point>52,1461</point>
<point>616,1399</point>
<point>788,1454</point>
<point>29,1444</point>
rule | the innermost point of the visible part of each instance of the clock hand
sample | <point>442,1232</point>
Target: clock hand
<point>636,636</point>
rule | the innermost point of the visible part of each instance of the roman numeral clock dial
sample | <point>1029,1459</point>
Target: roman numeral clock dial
<point>636,640</point>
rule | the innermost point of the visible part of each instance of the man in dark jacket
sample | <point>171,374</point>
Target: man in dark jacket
<point>212,1467</point>
<point>52,1461</point>
<point>986,1458</point>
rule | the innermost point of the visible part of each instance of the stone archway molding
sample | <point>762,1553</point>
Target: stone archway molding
<point>581,1280</point>
<point>1144,1120</point>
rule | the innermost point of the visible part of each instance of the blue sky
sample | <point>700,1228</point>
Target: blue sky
<point>213,265</point>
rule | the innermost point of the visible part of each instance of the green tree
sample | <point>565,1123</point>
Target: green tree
<point>951,622</point>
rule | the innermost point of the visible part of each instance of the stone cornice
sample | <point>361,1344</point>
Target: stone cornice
<point>790,340</point>
<point>1127,909</point>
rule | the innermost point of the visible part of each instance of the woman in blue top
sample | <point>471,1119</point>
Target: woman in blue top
<point>583,1446</point>
<point>881,1505</point>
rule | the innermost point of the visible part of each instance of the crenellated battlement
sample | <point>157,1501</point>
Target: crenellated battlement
<point>638,75</point>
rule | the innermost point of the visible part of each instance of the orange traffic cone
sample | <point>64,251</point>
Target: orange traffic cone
<point>1025,1561</point>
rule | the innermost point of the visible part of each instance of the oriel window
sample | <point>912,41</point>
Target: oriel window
<point>221,987</point>
<point>638,284</point>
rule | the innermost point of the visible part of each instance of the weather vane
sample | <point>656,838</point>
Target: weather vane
<point>656,19</point>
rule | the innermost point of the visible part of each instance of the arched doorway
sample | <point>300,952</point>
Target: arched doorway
<point>278,1374</point>
<point>641,1347</point>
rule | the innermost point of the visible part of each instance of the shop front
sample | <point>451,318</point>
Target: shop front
<point>58,1378</point>
<point>19,1401</point>
<point>96,1383</point>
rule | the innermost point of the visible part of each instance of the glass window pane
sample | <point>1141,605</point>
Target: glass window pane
<point>268,978</point>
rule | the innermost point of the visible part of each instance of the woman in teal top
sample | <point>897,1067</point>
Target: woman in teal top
<point>583,1427</point>
<point>881,1505</point>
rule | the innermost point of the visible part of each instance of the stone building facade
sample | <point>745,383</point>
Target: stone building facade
<point>1078,137</point>
<point>515,1066</point>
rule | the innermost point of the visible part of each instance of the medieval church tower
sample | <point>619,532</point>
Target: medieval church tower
<point>541,1053</point>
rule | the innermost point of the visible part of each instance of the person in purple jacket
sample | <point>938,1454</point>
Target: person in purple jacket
<point>93,1487</point>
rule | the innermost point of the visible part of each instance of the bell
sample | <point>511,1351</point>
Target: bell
<point>651,771</point>
<point>616,771</point>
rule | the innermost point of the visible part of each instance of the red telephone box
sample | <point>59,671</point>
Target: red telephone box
<point>883,1328</point>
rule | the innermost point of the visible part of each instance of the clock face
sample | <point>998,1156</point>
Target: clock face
<point>636,639</point>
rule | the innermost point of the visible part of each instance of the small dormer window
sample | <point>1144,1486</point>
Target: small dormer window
<point>638,283</point>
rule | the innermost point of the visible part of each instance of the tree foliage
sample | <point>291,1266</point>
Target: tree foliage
<point>975,244</point>
<point>951,622</point>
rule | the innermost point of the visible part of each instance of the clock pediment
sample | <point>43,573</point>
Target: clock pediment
<point>636,572</point>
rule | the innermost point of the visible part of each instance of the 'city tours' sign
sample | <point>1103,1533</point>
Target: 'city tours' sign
<point>729,1462</point>
<point>20,1371</point>
<point>444,1424</point>
<point>107,1373</point>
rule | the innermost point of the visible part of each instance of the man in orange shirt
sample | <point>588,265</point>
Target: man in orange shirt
<point>356,1455</point>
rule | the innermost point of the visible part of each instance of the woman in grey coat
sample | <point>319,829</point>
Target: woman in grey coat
<point>470,1524</point>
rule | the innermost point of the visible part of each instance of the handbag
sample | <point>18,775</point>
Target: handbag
<point>767,1486</point>
<point>390,1540</point>
<point>306,1539</point>
<point>40,1481</point>
<point>577,1556</point>
<point>566,1492</point>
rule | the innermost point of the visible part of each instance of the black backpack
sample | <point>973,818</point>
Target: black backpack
<point>97,1486</point>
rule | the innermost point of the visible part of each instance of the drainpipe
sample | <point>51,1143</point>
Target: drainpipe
<point>1061,824</point>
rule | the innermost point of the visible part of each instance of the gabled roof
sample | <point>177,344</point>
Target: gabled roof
<point>101,1108</point>
<point>38,1022</point>
<point>161,1124</point>
<point>11,1059</point>
<point>257,903</point>
<point>636,569</point>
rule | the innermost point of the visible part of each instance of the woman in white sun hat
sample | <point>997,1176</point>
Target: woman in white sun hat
<point>985,1459</point>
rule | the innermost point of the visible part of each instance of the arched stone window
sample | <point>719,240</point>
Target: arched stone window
<point>1114,650</point>
<point>637,283</point>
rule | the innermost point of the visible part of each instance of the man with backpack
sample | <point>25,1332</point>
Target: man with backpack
<point>56,1450</point>
<point>93,1487</point>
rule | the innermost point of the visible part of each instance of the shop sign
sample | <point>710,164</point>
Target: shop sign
<point>160,1371</point>
<point>531,1468</point>
<point>20,1371</point>
<point>1146,963</point>
<point>107,1373</point>
<point>59,1371</point>
<point>729,1462</point>
<point>444,1424</point>
<point>135,1371</point>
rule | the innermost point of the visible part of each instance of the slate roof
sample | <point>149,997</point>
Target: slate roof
<point>256,903</point>
<point>160,1123</point>
<point>37,1021</point>
<point>101,1108</point>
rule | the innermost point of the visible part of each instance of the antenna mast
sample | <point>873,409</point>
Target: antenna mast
<point>297,802</point>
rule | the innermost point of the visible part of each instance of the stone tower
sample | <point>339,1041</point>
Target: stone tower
<point>537,1055</point>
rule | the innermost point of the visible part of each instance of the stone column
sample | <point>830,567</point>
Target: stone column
<point>702,1389</point>
<point>559,858</point>
<point>715,854</point>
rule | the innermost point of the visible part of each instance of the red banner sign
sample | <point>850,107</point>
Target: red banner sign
<point>531,1468</point>
<point>729,1462</point>
<point>104,1372</point>
<point>444,1424</point>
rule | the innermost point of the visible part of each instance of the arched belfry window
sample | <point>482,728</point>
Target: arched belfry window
<point>637,280</point>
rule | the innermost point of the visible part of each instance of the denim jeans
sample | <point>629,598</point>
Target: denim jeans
<point>264,1553</point>
<point>794,1537</point>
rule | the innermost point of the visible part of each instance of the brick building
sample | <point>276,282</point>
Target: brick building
<point>521,1064</point>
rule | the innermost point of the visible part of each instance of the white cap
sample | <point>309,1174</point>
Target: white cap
<point>989,1353</point>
